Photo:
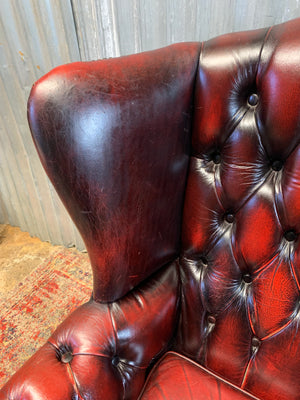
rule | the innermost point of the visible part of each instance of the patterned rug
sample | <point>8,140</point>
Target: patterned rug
<point>37,305</point>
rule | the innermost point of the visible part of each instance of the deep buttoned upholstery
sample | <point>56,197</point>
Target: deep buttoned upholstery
<point>181,169</point>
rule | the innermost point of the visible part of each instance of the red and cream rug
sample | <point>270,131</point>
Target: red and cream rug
<point>31,312</point>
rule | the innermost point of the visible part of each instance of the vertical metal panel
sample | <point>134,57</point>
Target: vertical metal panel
<point>97,30</point>
<point>37,35</point>
<point>107,28</point>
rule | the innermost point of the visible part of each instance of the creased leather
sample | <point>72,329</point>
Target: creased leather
<point>240,263</point>
<point>110,347</point>
<point>146,148</point>
<point>113,136</point>
<point>178,378</point>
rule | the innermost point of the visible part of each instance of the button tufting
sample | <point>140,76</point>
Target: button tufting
<point>253,99</point>
<point>203,259</point>
<point>255,342</point>
<point>290,235</point>
<point>66,357</point>
<point>247,278</point>
<point>277,165</point>
<point>211,319</point>
<point>216,157</point>
<point>115,361</point>
<point>229,217</point>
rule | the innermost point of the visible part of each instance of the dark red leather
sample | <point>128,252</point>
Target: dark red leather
<point>177,378</point>
<point>102,351</point>
<point>115,138</point>
<point>240,263</point>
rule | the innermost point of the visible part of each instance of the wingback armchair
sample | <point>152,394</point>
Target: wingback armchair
<point>181,170</point>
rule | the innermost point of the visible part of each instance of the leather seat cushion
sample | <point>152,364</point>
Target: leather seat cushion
<point>177,377</point>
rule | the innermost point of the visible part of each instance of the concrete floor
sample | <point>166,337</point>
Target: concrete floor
<point>19,255</point>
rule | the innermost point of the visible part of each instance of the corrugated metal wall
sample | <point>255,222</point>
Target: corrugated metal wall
<point>37,35</point>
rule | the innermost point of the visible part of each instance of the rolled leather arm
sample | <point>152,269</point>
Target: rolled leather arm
<point>102,350</point>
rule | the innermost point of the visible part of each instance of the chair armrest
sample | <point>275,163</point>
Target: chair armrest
<point>103,350</point>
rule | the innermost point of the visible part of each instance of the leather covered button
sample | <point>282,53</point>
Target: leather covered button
<point>203,259</point>
<point>216,157</point>
<point>115,361</point>
<point>290,235</point>
<point>277,165</point>
<point>247,278</point>
<point>255,342</point>
<point>253,99</point>
<point>229,217</point>
<point>66,357</point>
<point>211,319</point>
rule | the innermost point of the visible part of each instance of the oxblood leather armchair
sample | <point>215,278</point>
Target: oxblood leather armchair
<point>180,168</point>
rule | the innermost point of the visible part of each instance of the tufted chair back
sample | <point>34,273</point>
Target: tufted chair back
<point>240,248</point>
<point>180,168</point>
